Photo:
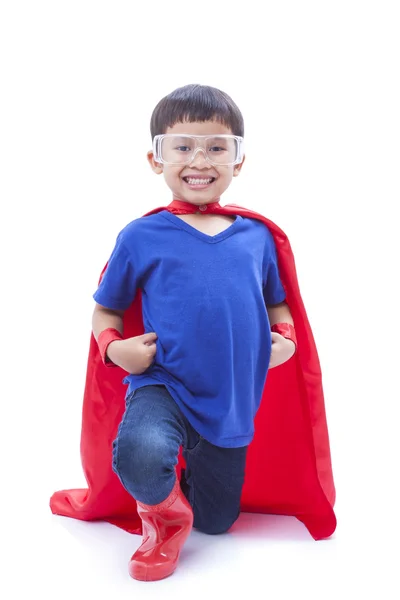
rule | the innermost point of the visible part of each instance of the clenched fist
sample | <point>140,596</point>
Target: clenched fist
<point>134,354</point>
<point>282,349</point>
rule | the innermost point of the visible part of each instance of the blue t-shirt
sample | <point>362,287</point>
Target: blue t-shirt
<point>205,297</point>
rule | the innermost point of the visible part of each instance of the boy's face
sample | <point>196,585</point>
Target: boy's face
<point>199,168</point>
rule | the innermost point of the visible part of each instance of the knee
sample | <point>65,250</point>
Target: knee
<point>215,524</point>
<point>141,455</point>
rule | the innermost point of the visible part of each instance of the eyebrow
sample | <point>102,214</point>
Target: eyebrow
<point>180,135</point>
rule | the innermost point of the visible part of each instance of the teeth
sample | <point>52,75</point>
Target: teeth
<point>193,181</point>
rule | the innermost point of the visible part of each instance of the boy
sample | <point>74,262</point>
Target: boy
<point>211,293</point>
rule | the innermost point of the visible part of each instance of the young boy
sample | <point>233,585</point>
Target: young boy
<point>211,293</point>
<point>187,385</point>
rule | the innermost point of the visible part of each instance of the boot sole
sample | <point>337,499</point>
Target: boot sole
<point>143,572</point>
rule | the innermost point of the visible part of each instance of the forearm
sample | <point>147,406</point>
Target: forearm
<point>280,313</point>
<point>104,318</point>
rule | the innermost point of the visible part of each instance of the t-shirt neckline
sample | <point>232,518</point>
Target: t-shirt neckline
<point>211,239</point>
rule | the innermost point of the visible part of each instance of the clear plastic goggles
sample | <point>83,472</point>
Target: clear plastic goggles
<point>178,149</point>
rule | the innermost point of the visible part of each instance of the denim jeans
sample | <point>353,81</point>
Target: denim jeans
<point>145,453</point>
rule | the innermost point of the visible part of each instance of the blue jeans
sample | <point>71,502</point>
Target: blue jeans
<point>145,453</point>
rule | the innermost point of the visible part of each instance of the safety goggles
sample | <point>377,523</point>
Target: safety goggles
<point>178,149</point>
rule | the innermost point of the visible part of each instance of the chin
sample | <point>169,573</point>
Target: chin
<point>194,198</point>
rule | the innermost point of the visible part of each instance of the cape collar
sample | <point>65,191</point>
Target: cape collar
<point>179,207</point>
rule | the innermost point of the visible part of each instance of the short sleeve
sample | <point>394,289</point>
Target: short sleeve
<point>118,286</point>
<point>273,290</point>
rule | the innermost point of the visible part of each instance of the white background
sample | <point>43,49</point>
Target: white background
<point>318,85</point>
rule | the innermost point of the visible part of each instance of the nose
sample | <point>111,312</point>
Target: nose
<point>199,158</point>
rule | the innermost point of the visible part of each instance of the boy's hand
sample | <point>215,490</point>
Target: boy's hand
<point>134,354</point>
<point>282,350</point>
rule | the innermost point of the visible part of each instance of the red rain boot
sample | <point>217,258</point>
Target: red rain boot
<point>166,527</point>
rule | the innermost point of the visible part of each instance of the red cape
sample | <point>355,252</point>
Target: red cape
<point>288,469</point>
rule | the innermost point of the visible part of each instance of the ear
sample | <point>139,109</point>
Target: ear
<point>157,167</point>
<point>237,168</point>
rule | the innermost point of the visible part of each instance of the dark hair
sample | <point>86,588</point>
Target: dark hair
<point>196,103</point>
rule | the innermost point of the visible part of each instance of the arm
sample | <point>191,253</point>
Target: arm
<point>281,321</point>
<point>280,318</point>
<point>114,296</point>
<point>280,313</point>
<point>134,354</point>
<point>103,318</point>
<point>283,334</point>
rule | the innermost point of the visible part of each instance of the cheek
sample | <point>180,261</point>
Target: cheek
<point>225,178</point>
<point>172,177</point>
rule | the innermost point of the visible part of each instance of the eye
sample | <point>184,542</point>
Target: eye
<point>217,149</point>
<point>182,148</point>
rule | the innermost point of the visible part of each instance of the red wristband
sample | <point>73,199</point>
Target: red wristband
<point>286,330</point>
<point>105,338</point>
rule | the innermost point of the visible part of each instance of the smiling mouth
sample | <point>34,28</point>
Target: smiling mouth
<point>199,180</point>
